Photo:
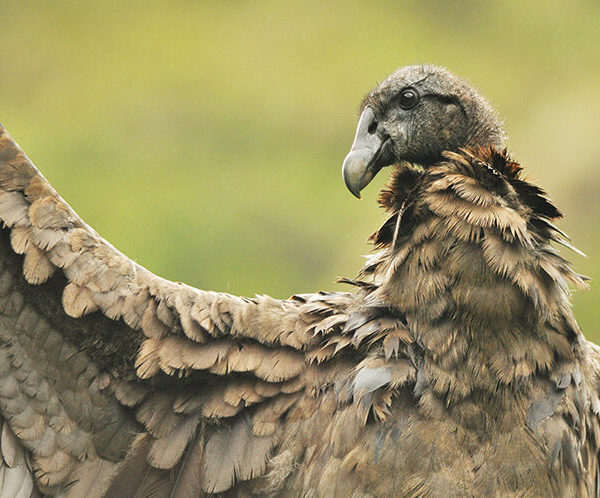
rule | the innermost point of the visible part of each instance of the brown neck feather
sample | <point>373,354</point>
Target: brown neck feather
<point>466,257</point>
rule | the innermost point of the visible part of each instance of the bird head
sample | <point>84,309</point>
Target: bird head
<point>414,115</point>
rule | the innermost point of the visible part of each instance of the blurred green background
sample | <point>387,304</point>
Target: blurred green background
<point>205,139</point>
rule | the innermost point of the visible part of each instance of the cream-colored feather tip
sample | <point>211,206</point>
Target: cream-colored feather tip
<point>49,213</point>
<point>37,268</point>
<point>14,209</point>
<point>147,361</point>
<point>77,301</point>
<point>20,239</point>
<point>151,325</point>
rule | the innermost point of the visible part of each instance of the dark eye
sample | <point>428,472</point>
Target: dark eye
<point>409,98</point>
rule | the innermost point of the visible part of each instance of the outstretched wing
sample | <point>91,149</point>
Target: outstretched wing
<point>110,374</point>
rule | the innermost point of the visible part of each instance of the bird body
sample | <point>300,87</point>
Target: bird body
<point>456,368</point>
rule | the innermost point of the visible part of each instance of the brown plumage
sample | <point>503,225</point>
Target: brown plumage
<point>456,369</point>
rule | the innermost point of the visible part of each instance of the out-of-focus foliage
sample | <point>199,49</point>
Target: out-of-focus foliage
<point>205,139</point>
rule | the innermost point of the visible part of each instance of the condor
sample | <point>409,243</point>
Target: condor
<point>456,367</point>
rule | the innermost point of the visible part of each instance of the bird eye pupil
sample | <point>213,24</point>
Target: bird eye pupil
<point>408,99</point>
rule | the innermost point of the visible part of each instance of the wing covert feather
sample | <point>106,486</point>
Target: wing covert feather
<point>146,355</point>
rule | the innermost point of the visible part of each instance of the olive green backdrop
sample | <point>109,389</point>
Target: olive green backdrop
<point>205,139</point>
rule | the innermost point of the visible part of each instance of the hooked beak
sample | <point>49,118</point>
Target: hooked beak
<point>368,154</point>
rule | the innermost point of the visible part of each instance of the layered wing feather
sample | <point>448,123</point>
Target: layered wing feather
<point>108,370</point>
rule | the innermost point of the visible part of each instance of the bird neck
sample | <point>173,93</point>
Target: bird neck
<point>466,258</point>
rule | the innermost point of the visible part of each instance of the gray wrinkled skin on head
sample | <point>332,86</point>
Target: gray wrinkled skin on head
<point>451,114</point>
